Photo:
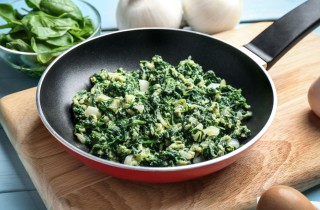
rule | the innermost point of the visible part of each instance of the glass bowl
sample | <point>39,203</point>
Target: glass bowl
<point>27,62</point>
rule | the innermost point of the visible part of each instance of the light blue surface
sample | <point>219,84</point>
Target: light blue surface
<point>23,200</point>
<point>267,10</point>
<point>13,178</point>
<point>16,189</point>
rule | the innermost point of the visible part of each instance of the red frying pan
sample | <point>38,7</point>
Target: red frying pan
<point>242,68</point>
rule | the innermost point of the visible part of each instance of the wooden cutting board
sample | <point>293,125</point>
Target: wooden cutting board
<point>289,153</point>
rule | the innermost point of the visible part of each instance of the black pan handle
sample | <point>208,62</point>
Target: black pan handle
<point>283,34</point>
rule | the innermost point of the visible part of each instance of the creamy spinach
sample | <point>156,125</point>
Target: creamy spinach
<point>160,115</point>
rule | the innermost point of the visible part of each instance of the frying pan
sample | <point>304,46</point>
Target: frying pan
<point>242,68</point>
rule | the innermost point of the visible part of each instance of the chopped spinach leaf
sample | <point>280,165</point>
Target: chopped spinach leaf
<point>160,115</point>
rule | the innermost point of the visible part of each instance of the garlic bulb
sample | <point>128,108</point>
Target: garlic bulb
<point>314,97</point>
<point>212,16</point>
<point>149,13</point>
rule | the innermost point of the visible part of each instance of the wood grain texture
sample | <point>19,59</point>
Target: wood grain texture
<point>287,154</point>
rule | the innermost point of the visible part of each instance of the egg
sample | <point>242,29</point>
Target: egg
<point>314,97</point>
<point>282,197</point>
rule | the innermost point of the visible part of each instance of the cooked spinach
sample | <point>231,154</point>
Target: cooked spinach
<point>49,26</point>
<point>160,115</point>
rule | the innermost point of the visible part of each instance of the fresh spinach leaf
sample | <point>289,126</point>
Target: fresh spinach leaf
<point>64,41</point>
<point>77,34</point>
<point>6,38</point>
<point>44,33</point>
<point>19,33</point>
<point>60,7</point>
<point>17,29</point>
<point>49,26</point>
<point>66,24</point>
<point>3,39</point>
<point>45,57</point>
<point>39,47</point>
<point>85,32</point>
<point>45,26</point>
<point>88,27</point>
<point>8,25</point>
<point>7,12</point>
<point>20,45</point>
<point>34,4</point>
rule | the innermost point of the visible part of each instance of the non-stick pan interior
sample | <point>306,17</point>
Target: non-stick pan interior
<point>71,72</point>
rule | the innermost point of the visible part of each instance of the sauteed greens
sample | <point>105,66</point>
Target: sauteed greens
<point>160,115</point>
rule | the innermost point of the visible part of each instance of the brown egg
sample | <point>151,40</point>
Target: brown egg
<point>282,197</point>
<point>314,96</point>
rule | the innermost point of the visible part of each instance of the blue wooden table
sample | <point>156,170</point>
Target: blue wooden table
<point>16,189</point>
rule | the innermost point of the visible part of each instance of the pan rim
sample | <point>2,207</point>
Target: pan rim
<point>145,168</point>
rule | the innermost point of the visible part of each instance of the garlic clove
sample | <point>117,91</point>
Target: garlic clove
<point>314,97</point>
<point>212,16</point>
<point>149,13</point>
